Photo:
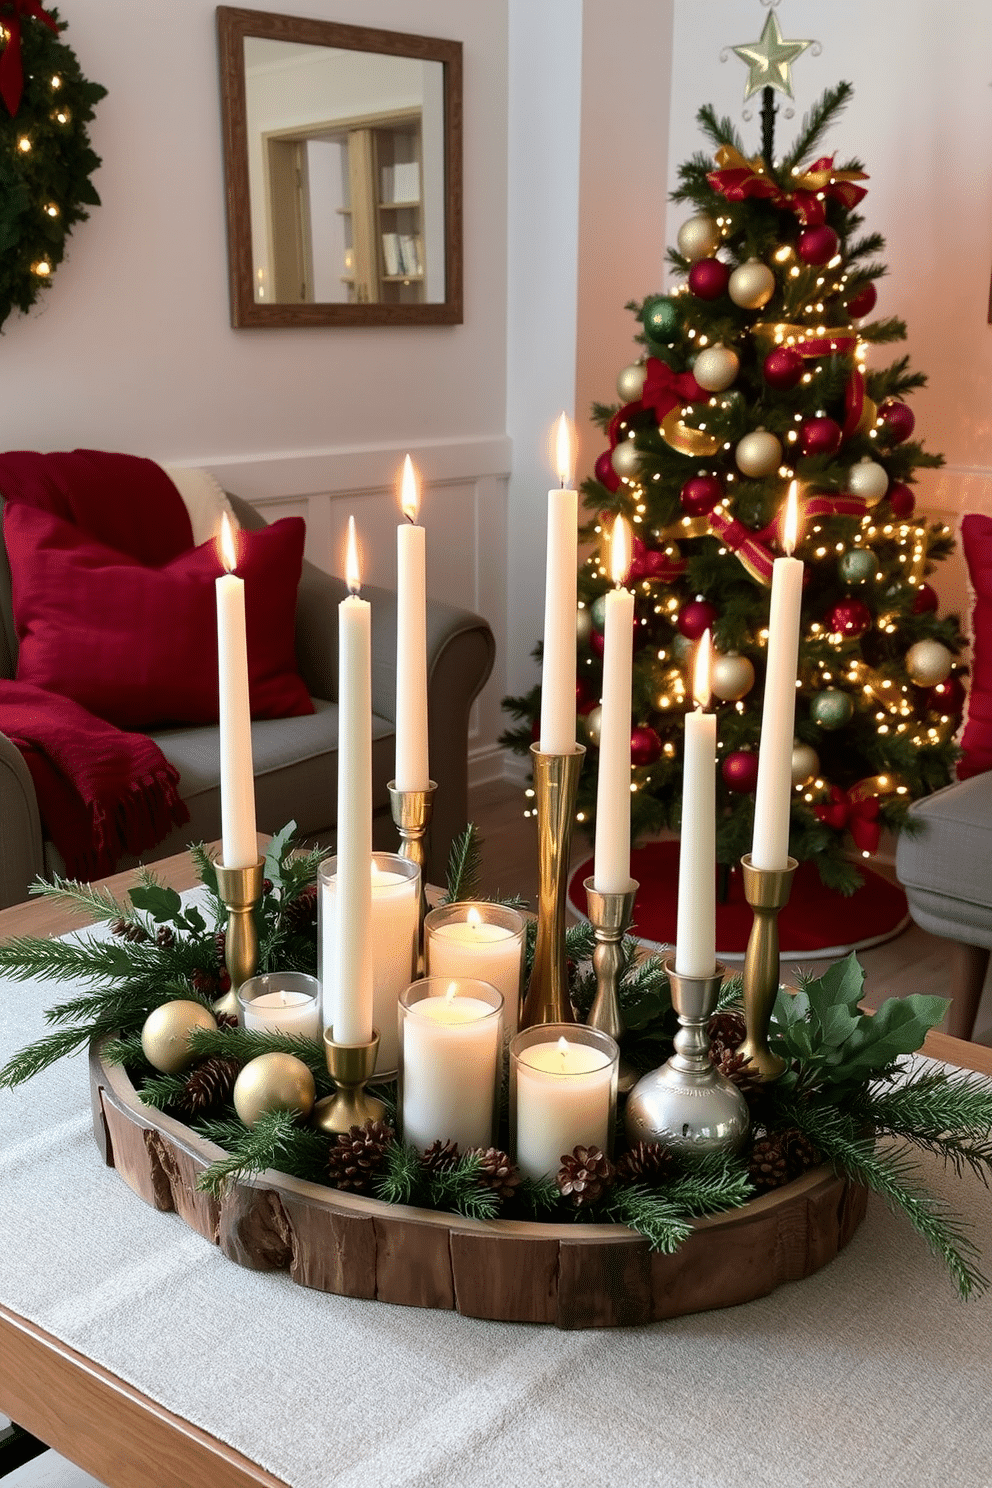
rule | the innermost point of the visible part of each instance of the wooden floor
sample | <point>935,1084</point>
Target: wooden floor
<point>912,962</point>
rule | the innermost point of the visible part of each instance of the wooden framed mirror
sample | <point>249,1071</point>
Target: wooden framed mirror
<point>342,162</point>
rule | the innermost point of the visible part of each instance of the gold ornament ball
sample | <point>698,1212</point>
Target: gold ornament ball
<point>626,459</point>
<point>805,763</point>
<point>715,368</point>
<point>758,453</point>
<point>593,722</point>
<point>630,383</point>
<point>583,624</point>
<point>731,677</point>
<point>273,1082</point>
<point>698,238</point>
<point>928,662</point>
<point>868,479</point>
<point>752,285</point>
<point>166,1032</point>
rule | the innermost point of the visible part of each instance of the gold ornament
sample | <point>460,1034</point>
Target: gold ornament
<point>769,59</point>
<point>929,662</point>
<point>805,763</point>
<point>630,383</point>
<point>697,443</point>
<point>715,368</point>
<point>166,1032</point>
<point>731,677</point>
<point>868,479</point>
<point>758,453</point>
<point>593,722</point>
<point>698,238</point>
<point>273,1082</point>
<point>868,419</point>
<point>626,460</point>
<point>752,285</point>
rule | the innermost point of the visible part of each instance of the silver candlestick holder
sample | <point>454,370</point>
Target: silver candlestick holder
<point>687,1104</point>
<point>609,914</point>
<point>412,811</point>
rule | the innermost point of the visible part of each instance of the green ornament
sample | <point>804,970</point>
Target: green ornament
<point>831,708</point>
<point>856,565</point>
<point>682,649</point>
<point>660,318</point>
<point>597,613</point>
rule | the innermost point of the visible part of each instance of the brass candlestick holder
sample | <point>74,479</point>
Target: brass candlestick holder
<point>609,915</point>
<point>767,891</point>
<point>412,811</point>
<point>240,889</point>
<point>556,780</point>
<point>687,1104</point>
<point>350,1066</point>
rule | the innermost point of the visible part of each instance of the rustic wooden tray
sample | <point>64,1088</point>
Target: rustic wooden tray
<point>574,1276</point>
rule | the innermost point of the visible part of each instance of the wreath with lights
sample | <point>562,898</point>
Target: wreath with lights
<point>45,155</point>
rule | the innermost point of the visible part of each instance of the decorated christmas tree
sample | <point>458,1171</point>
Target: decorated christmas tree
<point>763,365</point>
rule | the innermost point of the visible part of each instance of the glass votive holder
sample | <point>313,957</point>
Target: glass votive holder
<point>563,1094</point>
<point>482,941</point>
<point>281,1002</point>
<point>451,1039</point>
<point>394,932</point>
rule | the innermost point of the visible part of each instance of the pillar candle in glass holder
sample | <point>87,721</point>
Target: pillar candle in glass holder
<point>450,1044</point>
<point>412,770</point>
<point>563,1089</point>
<point>557,734</point>
<point>483,941</point>
<point>773,795</point>
<point>611,868</point>
<point>237,781</point>
<point>695,938</point>
<point>281,1002</point>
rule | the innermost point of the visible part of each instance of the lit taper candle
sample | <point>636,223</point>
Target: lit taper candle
<point>611,868</point>
<point>237,781</point>
<point>412,771</point>
<point>695,935</point>
<point>558,667</point>
<point>773,797</point>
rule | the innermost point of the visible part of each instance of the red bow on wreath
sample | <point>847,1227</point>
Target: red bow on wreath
<point>11,71</point>
<point>739,178</point>
<point>856,812</point>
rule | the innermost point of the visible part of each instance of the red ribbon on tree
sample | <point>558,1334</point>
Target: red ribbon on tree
<point>738,178</point>
<point>858,813</point>
<point>664,389</point>
<point>746,544</point>
<point>11,71</point>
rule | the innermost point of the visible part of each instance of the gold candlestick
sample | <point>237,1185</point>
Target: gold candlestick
<point>240,889</point>
<point>609,915</point>
<point>412,811</point>
<point>767,891</point>
<point>350,1066</point>
<point>556,779</point>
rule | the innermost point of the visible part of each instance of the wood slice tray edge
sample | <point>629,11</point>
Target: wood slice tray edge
<point>567,1275</point>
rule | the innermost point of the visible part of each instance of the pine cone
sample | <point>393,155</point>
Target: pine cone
<point>204,984</point>
<point>209,1086</point>
<point>648,1162</point>
<point>726,1031</point>
<point>739,1069</point>
<point>497,1172</point>
<point>438,1157</point>
<point>802,1153</point>
<point>129,930</point>
<point>301,912</point>
<point>768,1164</point>
<point>585,1175</point>
<point>166,937</point>
<point>226,1020</point>
<point>356,1156</point>
<point>220,942</point>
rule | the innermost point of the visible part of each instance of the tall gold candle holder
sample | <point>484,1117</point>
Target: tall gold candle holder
<point>412,811</point>
<point>556,780</point>
<point>240,889</point>
<point>350,1066</point>
<point>767,891</point>
<point>609,914</point>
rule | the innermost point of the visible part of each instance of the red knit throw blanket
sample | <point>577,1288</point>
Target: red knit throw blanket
<point>101,792</point>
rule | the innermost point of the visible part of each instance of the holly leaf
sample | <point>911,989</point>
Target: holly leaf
<point>898,1027</point>
<point>160,902</point>
<point>278,847</point>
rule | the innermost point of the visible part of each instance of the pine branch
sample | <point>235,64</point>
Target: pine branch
<point>88,899</point>
<point>464,867</point>
<point>206,869</point>
<point>644,1210</point>
<point>124,1051</point>
<point>938,1111</point>
<point>401,1176</point>
<point>458,1188</point>
<point>720,131</point>
<point>162,1091</point>
<point>246,1044</point>
<point>539,1195</point>
<point>821,116</point>
<point>28,1062</point>
<point>256,1148</point>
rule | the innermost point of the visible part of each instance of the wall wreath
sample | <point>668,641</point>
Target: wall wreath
<point>45,155</point>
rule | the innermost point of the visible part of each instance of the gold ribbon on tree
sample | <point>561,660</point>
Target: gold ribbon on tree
<point>738,178</point>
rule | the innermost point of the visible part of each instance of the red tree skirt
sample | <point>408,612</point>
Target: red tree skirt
<point>815,922</point>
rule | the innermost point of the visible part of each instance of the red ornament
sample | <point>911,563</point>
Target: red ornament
<point>863,303</point>
<point>695,618</point>
<point>817,245</point>
<point>783,368</point>
<point>924,600</point>
<point>947,697</point>
<point>708,278</point>
<point>849,617</point>
<point>645,745</point>
<point>597,643</point>
<point>898,419</point>
<point>605,473</point>
<point>700,495</point>
<point>740,771</point>
<point>901,500</point>
<point>820,436</point>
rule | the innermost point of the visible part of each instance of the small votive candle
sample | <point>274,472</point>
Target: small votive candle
<point>451,1036</point>
<point>563,1094</point>
<point>482,941</point>
<point>281,1002</point>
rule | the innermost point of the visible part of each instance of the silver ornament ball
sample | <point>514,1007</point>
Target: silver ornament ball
<point>868,479</point>
<point>731,677</point>
<point>273,1082</point>
<point>758,454</point>
<point>856,565</point>
<point>698,238</point>
<point>583,624</point>
<point>630,382</point>
<point>928,663</point>
<point>593,722</point>
<point>805,763</point>
<point>715,368</point>
<point>831,709</point>
<point>626,459</point>
<point>752,285</point>
<point>166,1034</point>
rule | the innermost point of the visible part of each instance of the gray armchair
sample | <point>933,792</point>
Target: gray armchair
<point>295,759</point>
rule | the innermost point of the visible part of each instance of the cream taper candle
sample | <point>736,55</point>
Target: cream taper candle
<point>558,666</point>
<point>611,869</point>
<point>412,770</point>
<point>773,796</point>
<point>237,781</point>
<point>695,935</point>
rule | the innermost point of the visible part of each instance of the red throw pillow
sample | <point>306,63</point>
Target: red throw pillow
<point>137,646</point>
<point>976,741</point>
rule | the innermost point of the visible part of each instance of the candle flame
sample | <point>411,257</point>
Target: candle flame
<point>564,449</point>
<point>227,545</point>
<point>473,917</point>
<point>621,547</point>
<point>790,532</point>
<point>701,672</point>
<point>352,572</point>
<point>563,1046</point>
<point>409,490</point>
<point>452,992</point>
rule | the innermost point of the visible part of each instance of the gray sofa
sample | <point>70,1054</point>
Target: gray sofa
<point>947,873</point>
<point>295,759</point>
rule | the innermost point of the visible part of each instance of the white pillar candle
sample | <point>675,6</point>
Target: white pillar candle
<point>557,734</point>
<point>563,1100</point>
<point>237,781</point>
<point>284,1012</point>
<point>395,919</point>
<point>474,947</point>
<point>352,968</point>
<point>773,796</point>
<point>611,868</point>
<point>412,770</point>
<point>451,1044</point>
<point>695,943</point>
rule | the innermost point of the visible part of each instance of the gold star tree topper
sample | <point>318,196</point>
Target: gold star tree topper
<point>770,59</point>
